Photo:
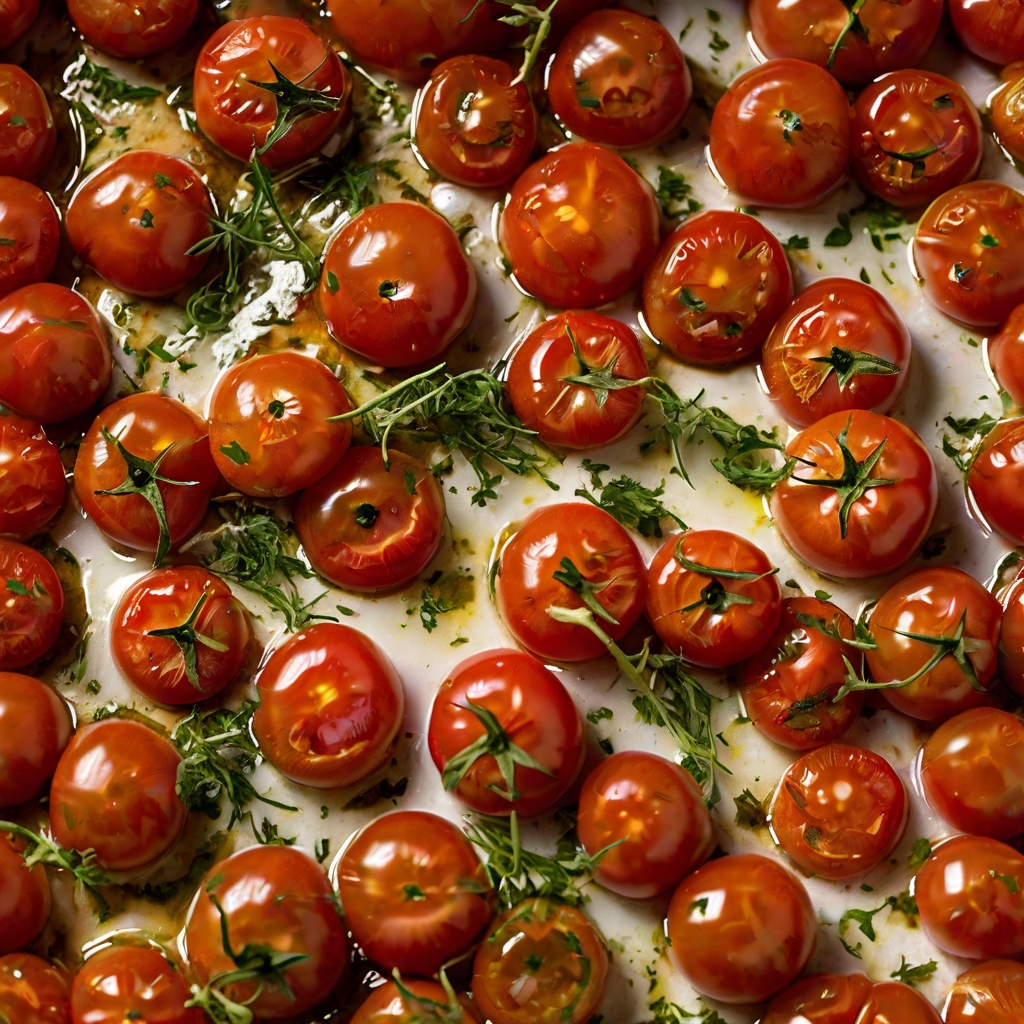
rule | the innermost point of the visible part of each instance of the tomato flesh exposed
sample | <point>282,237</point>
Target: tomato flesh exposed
<point>995,481</point>
<point>27,132</point>
<point>31,605</point>
<point>131,30</point>
<point>29,234</point>
<point>24,899</point>
<point>32,484</point>
<point>32,991</point>
<point>991,993</point>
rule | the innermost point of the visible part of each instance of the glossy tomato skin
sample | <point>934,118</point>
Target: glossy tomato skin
<point>24,898</point>
<point>718,284</point>
<point>893,1001</point>
<point>759,940</point>
<point>275,408</point>
<point>32,991</point>
<point>132,30</point>
<point>1004,352</point>
<point>789,686</point>
<point>32,484</point>
<point>712,621</point>
<point>525,587</point>
<point>27,132</point>
<point>331,705</point>
<point>656,814</point>
<point>134,229</point>
<point>820,999</point>
<point>576,415</point>
<point>413,848</point>
<point>932,602</point>
<point>839,811</point>
<point>113,792</point>
<point>757,148</point>
<point>55,357</point>
<point>590,251</point>
<point>1011,637</point>
<point>237,115</point>
<point>147,424</point>
<point>15,18</point>
<point>397,287</point>
<point>995,481</point>
<point>992,29</point>
<point>990,993</point>
<point>31,605</point>
<point>1006,111</point>
<point>274,896</point>
<point>166,599</point>
<point>570,980</point>
<point>886,526</point>
<point>363,528</point>
<point>472,125</point>
<point>31,230</point>
<point>619,79</point>
<point>35,727</point>
<point>971,898</point>
<point>537,715</point>
<point>965,251</point>
<point>388,1004</point>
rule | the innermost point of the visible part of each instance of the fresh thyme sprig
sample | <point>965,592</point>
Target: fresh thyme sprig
<point>632,504</point>
<point>539,23</point>
<point>294,102</point>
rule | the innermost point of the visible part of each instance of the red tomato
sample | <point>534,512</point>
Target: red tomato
<point>995,481</point>
<point>712,597</point>
<point>505,734</point>
<point>970,893</point>
<point>55,357</point>
<point>620,79</point>
<point>606,568</point>
<point>652,814</point>
<point>168,437</point>
<point>35,727</point>
<point>892,1001</point>
<point>966,252</point>
<point>993,29</point>
<point>742,928</point>
<point>273,896</point>
<point>1006,111</point>
<point>414,891</point>
<point>331,705</point>
<point>415,1003</point>
<point>31,991</point>
<point>862,503</point>
<point>780,136</point>
<point>179,635</point>
<point>397,287</point>
<point>131,983</point>
<point>370,526</point>
<point>790,685</point>
<point>960,620</point>
<point>821,999</point>
<point>577,415</point>
<point>839,811</point>
<point>472,125</point>
<point>136,29</point>
<point>586,252</point>
<point>991,993</point>
<point>1005,354</point>
<point>29,234</point>
<point>135,219</point>
<point>24,899</point>
<point>269,434</point>
<point>717,286</point>
<point>15,18</point>
<point>31,605</point>
<point>27,132</point>
<point>113,792</point>
<point>32,484</point>
<point>1011,638</point>
<point>235,113</point>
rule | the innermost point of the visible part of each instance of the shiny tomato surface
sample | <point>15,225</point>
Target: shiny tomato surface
<point>32,484</point>
<point>1004,351</point>
<point>892,1001</point>
<point>29,234</point>
<point>27,132</point>
<point>990,993</point>
<point>132,28</point>
<point>24,898</point>
<point>1006,111</point>
<point>32,991</point>
<point>15,18</point>
<point>821,999</point>
<point>995,481</point>
<point>31,605</point>
<point>416,1002</point>
<point>992,29</point>
<point>1011,638</point>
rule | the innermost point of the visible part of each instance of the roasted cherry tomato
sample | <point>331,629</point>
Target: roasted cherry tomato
<point>554,387</point>
<point>780,136</point>
<point>27,132</point>
<point>992,29</point>
<point>269,429</point>
<point>416,1002</point>
<point>970,893</point>
<point>331,705</point>
<point>273,896</point>
<point>132,30</point>
<point>838,346</point>
<point>790,685</point>
<point>821,999</point>
<point>938,630</point>
<point>29,234</point>
<point>135,220</point>
<point>1006,111</point>
<point>588,251</point>
<point>31,605</point>
<point>24,898</point>
<point>966,251</point>
<point>55,357</point>
<point>414,891</point>
<point>991,993</point>
<point>1011,637</point>
<point>505,734</point>
<point>472,125</point>
<point>620,79</point>
<point>368,525</point>
<point>15,18</point>
<point>995,480</point>
<point>742,928</point>
<point>236,112</point>
<point>717,286</point>
<point>541,962</point>
<point>1005,354</point>
<point>652,815</point>
<point>35,727</point>
<point>32,991</point>
<point>839,811</point>
<point>861,500</point>
<point>892,1001</point>
<point>712,597</point>
<point>32,484</point>
<point>131,983</point>
<point>179,635</point>
<point>570,555</point>
<point>397,287</point>
<point>161,437</point>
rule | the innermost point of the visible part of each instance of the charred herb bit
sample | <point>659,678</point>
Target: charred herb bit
<point>293,104</point>
<point>632,504</point>
<point>751,813</point>
<point>383,790</point>
<point>186,637</point>
<point>913,976</point>
<point>973,430</point>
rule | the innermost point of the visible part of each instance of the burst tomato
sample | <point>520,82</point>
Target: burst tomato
<point>821,999</point>
<point>991,993</point>
<point>27,132</point>
<point>29,234</point>
<point>992,29</point>
<point>1011,637</point>
<point>1005,354</point>
<point>131,30</point>
<point>1006,111</point>
<point>15,18</point>
<point>32,483</point>
<point>31,605</point>
<point>32,991</point>
<point>35,727</point>
<point>995,481</point>
<point>24,898</point>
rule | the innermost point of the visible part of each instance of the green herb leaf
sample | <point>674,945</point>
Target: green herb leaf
<point>840,236</point>
<point>445,592</point>
<point>632,504</point>
<point>913,976</point>
<point>236,453</point>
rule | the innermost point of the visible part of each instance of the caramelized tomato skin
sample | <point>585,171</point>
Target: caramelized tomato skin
<point>992,29</point>
<point>990,993</point>
<point>32,991</point>
<point>1004,351</point>
<point>32,606</point>
<point>31,232</point>
<point>32,483</point>
<point>24,898</point>
<point>131,30</point>
<point>996,480</point>
<point>27,132</point>
<point>35,727</point>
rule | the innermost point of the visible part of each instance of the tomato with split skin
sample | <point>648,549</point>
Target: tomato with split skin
<point>1004,352</point>
<point>1011,637</point>
<point>1006,111</point>
<point>28,135</point>
<point>995,481</point>
<point>990,993</point>
<point>29,234</point>
<point>416,1002</point>
<point>992,29</point>
<point>24,898</point>
<point>31,605</point>
<point>32,483</point>
<point>32,991</point>
<point>132,28</point>
<point>15,18</point>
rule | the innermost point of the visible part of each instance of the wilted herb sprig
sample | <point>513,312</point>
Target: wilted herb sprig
<point>632,504</point>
